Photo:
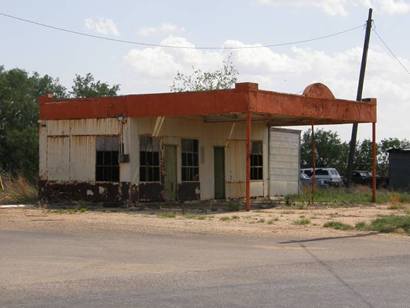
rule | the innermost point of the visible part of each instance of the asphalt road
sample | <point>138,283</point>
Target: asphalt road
<point>120,269</point>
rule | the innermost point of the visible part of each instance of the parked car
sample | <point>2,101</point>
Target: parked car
<point>305,181</point>
<point>328,176</point>
<point>362,177</point>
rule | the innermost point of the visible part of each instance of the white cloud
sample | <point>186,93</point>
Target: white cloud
<point>102,25</point>
<point>162,29</point>
<point>343,7</point>
<point>157,62</point>
<point>289,71</point>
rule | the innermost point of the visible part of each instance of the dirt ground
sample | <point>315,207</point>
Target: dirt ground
<point>286,221</point>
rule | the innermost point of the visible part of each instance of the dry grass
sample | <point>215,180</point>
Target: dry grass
<point>17,190</point>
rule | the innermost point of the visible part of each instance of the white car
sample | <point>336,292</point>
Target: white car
<point>329,176</point>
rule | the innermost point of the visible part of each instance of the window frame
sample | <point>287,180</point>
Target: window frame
<point>101,164</point>
<point>256,158</point>
<point>155,143</point>
<point>193,156</point>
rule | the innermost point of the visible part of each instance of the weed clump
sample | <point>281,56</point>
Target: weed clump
<point>167,215</point>
<point>391,223</point>
<point>302,221</point>
<point>338,225</point>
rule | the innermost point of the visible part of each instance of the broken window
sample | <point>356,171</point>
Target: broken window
<point>257,160</point>
<point>149,159</point>
<point>190,167</point>
<point>107,168</point>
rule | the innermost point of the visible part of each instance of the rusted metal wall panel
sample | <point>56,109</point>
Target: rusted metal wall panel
<point>58,128</point>
<point>82,158</point>
<point>284,162</point>
<point>58,158</point>
<point>83,127</point>
<point>81,150</point>
<point>42,147</point>
<point>110,126</point>
<point>235,165</point>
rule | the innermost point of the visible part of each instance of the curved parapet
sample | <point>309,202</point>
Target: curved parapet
<point>318,90</point>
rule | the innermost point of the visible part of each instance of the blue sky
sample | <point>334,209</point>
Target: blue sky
<point>334,61</point>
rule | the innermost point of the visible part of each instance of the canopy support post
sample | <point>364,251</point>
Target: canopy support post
<point>248,161</point>
<point>374,162</point>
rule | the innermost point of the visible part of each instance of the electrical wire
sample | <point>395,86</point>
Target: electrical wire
<point>391,52</point>
<point>145,44</point>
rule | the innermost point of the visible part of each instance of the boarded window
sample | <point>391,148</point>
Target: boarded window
<point>257,160</point>
<point>189,159</point>
<point>149,159</point>
<point>107,168</point>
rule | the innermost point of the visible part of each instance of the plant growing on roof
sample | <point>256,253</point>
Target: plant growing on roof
<point>198,80</point>
<point>87,87</point>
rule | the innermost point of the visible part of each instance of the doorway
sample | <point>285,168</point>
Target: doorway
<point>219,172</point>
<point>170,172</point>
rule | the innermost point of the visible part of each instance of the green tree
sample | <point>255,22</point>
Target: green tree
<point>330,150</point>
<point>384,146</point>
<point>223,78</point>
<point>363,154</point>
<point>19,92</point>
<point>87,87</point>
<point>18,118</point>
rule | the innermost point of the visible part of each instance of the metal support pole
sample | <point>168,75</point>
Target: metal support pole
<point>248,161</point>
<point>374,162</point>
<point>313,178</point>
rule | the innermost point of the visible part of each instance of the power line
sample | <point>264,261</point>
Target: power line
<point>392,54</point>
<point>144,44</point>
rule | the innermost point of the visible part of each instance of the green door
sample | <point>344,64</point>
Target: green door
<point>219,172</point>
<point>170,172</point>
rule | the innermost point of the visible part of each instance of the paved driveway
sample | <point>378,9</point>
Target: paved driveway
<point>134,269</point>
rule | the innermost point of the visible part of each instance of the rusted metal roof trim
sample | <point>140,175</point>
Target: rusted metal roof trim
<point>245,97</point>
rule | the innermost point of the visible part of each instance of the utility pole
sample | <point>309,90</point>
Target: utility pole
<point>359,97</point>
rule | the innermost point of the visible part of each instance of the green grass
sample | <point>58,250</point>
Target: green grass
<point>233,207</point>
<point>344,196</point>
<point>73,210</point>
<point>194,216</point>
<point>361,226</point>
<point>338,225</point>
<point>229,218</point>
<point>167,215</point>
<point>302,221</point>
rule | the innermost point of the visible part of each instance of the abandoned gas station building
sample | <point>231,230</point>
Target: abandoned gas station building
<point>218,144</point>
